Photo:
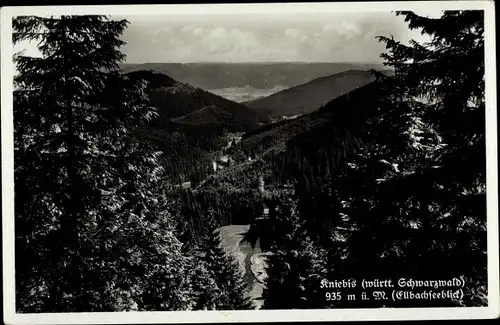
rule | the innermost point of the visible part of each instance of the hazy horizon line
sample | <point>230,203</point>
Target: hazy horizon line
<point>256,62</point>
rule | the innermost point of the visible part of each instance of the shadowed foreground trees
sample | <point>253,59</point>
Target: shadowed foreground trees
<point>392,183</point>
<point>93,228</point>
<point>389,182</point>
<point>229,289</point>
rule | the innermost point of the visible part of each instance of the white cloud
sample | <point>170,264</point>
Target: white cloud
<point>294,33</point>
<point>345,29</point>
<point>218,32</point>
<point>214,44</point>
<point>188,28</point>
<point>328,28</point>
<point>199,32</point>
<point>349,29</point>
<point>245,40</point>
<point>342,37</point>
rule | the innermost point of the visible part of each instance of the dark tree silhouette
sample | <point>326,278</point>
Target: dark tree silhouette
<point>92,228</point>
<point>229,289</point>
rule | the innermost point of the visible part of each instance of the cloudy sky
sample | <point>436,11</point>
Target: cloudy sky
<point>309,37</point>
<point>313,36</point>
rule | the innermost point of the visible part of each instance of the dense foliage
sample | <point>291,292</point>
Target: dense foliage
<point>391,178</point>
<point>200,211</point>
<point>191,125</point>
<point>93,228</point>
<point>121,184</point>
<point>229,289</point>
<point>296,265</point>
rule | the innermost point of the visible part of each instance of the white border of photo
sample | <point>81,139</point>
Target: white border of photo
<point>7,69</point>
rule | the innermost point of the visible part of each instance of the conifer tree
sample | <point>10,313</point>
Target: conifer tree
<point>407,164</point>
<point>449,73</point>
<point>295,264</point>
<point>92,228</point>
<point>230,289</point>
<point>426,217</point>
<point>205,289</point>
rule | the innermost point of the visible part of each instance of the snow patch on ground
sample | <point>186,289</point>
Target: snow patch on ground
<point>250,258</point>
<point>259,266</point>
<point>230,238</point>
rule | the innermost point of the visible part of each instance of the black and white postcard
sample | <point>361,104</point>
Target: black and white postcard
<point>249,162</point>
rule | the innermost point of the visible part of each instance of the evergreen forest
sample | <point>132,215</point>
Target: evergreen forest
<point>123,181</point>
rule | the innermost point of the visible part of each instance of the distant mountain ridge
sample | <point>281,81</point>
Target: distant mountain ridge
<point>309,96</point>
<point>257,75</point>
<point>175,99</point>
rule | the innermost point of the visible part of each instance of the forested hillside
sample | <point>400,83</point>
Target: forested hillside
<point>390,186</point>
<point>191,125</point>
<point>305,98</point>
<point>96,227</point>
<point>274,148</point>
<point>269,146</point>
<point>389,179</point>
<point>175,99</point>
